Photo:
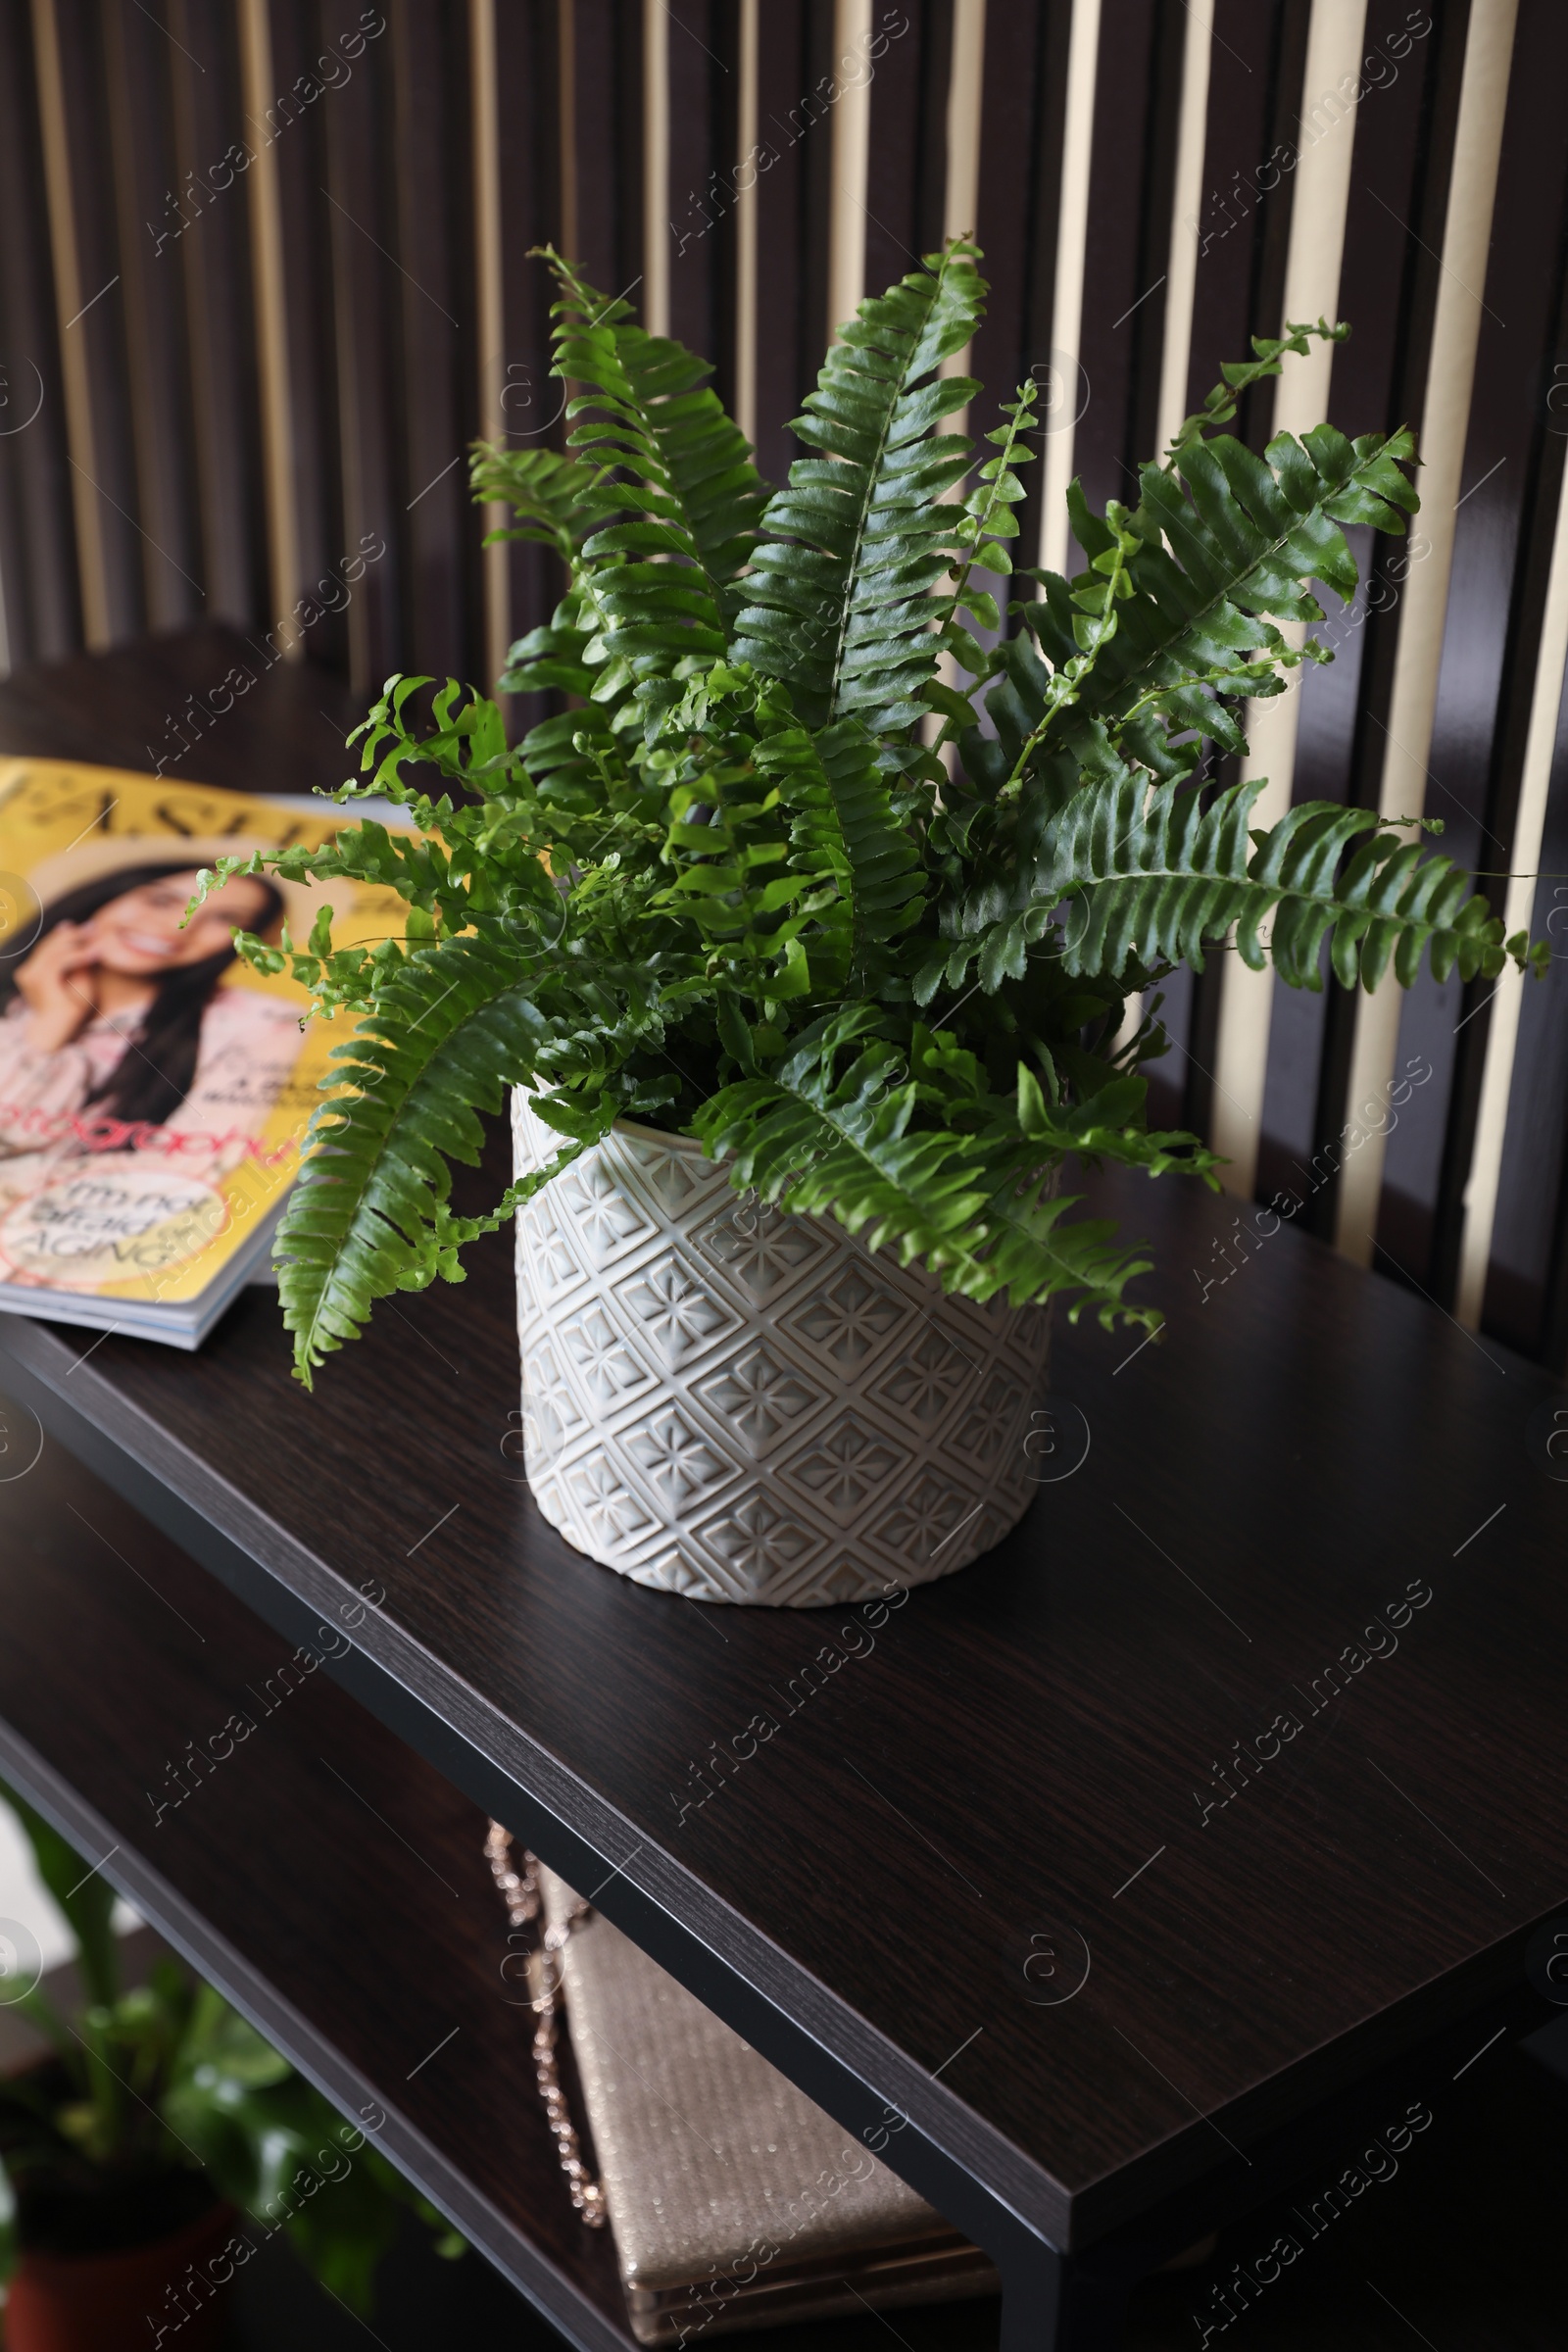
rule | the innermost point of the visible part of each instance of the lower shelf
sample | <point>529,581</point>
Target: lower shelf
<point>323,1876</point>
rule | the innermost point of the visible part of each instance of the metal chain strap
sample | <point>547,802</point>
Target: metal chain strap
<point>520,1892</point>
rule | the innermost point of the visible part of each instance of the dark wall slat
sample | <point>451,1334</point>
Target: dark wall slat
<point>1022,111</point>
<point>367,307</point>
<point>1512,477</point>
<point>794,47</point>
<point>438,327</point>
<point>1533,1202</point>
<point>154,225</point>
<point>1243,229</point>
<point>906,170</point>
<point>1413,303</point>
<point>37,536</point>
<point>1372,381</point>
<point>215,255</point>
<point>705,103</point>
<point>295,137</point>
<point>607,55</point>
<point>527,71</point>
<point>1128,249</point>
<point>106,474</point>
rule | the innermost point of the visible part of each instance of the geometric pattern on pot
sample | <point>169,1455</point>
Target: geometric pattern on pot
<point>725,1402</point>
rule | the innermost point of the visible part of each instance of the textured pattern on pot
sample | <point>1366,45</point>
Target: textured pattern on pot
<point>737,1404</point>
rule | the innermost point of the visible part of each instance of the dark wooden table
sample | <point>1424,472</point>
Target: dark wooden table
<point>1097,1889</point>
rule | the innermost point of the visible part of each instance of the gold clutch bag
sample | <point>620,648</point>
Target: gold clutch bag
<point>733,2201</point>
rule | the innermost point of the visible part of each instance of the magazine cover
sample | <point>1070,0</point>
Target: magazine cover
<point>154,1091</point>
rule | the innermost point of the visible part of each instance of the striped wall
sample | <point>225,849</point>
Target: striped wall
<point>263,274</point>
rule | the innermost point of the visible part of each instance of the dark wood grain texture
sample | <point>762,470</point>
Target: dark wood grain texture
<point>306,1860</point>
<point>1019,1742</point>
<point>156,700</point>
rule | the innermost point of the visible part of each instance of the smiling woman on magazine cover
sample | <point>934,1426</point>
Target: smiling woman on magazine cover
<point>116,1032</point>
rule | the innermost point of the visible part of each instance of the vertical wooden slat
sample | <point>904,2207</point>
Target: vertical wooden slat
<point>490,314</point>
<point>604,58</point>
<point>1175,320</point>
<point>1060,403</point>
<point>908,172</point>
<point>961,208</point>
<point>1524,893</point>
<point>435,327</point>
<point>263,204</point>
<point>1127,254</point>
<point>747,147</point>
<point>162,217</point>
<point>1187,196</point>
<point>531,128</point>
<point>1498,664</point>
<point>214,256</point>
<point>852,155</point>
<point>37,536</point>
<point>1242,218</point>
<point>658,225</point>
<point>75,366</point>
<point>703,86</point>
<point>1319,203</point>
<point>1455,332</point>
<point>794,50</point>
<point>1391,275</point>
<point>365,306</point>
<point>297,139</point>
<point>567,105</point>
<point>1023,106</point>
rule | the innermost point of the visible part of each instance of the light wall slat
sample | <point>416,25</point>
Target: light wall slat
<point>1060,401</point>
<point>1503,1036</point>
<point>851,157</point>
<point>1320,195</point>
<point>1472,187</point>
<point>654,293</point>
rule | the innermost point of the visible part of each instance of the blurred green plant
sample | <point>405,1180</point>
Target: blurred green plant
<point>152,2089</point>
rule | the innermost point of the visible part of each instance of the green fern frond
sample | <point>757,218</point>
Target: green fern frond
<point>978,1208</point>
<point>557,500</point>
<point>450,1033</point>
<point>1239,375</point>
<point>845,817</point>
<point>841,588</point>
<point>686,474</point>
<point>1154,876</point>
<point>1222,548</point>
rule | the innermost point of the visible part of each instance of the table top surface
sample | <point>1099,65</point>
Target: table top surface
<point>999,1856</point>
<point>1007,1829</point>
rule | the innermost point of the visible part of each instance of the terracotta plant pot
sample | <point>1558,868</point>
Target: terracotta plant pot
<point>740,1405</point>
<point>119,2302</point>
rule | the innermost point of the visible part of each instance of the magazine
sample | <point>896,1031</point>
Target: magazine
<point>154,1091</point>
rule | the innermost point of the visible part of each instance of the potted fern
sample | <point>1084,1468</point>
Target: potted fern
<point>802,932</point>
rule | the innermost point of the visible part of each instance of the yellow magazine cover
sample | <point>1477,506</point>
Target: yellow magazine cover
<point>154,1091</point>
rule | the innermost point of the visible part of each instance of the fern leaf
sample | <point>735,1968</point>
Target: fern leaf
<point>845,820</point>
<point>841,588</point>
<point>1225,546</point>
<point>557,501</point>
<point>687,479</point>
<point>819,1138</point>
<point>1154,876</point>
<point>450,1033</point>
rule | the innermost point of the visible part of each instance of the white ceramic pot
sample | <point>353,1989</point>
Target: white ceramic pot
<point>737,1404</point>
